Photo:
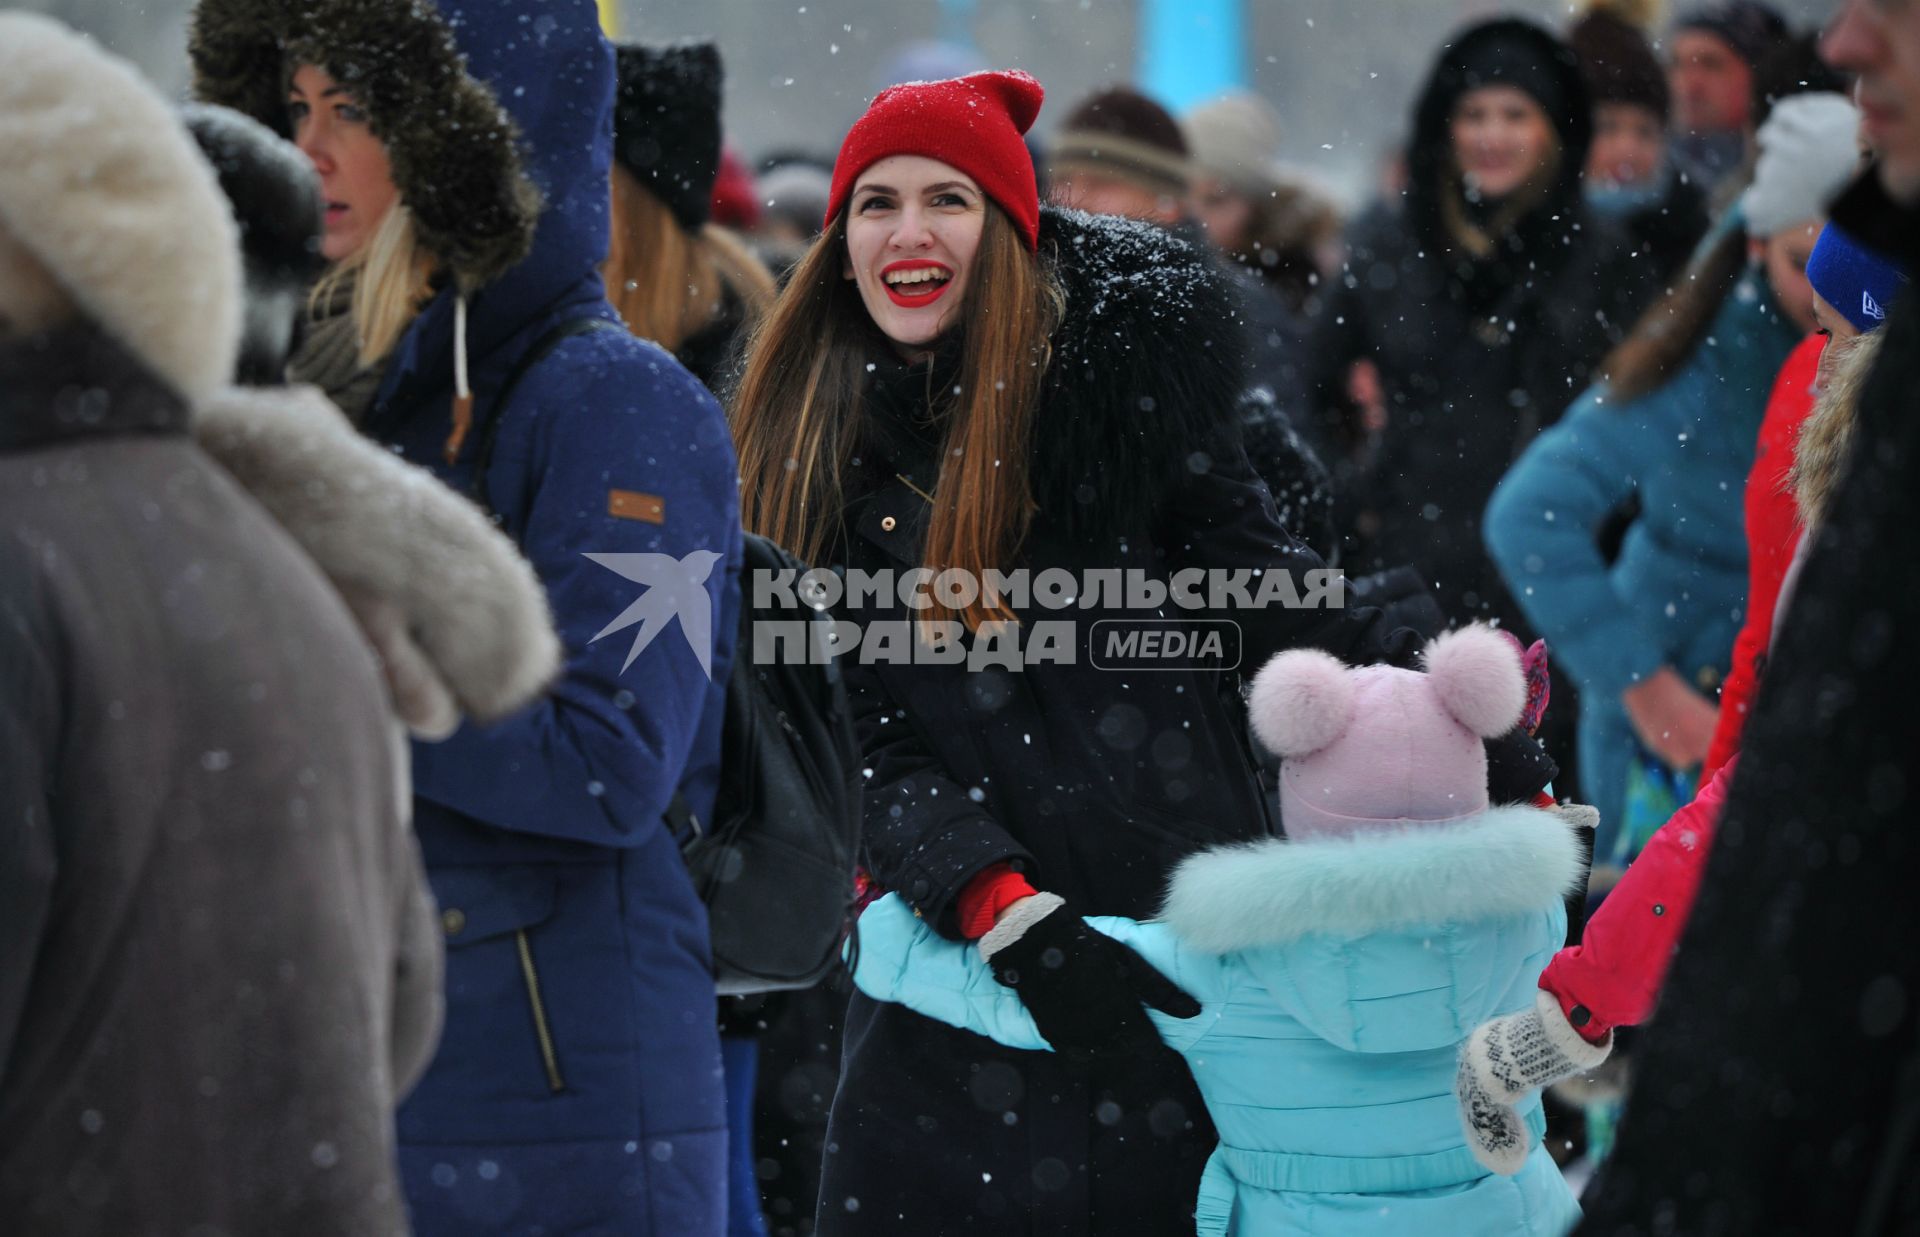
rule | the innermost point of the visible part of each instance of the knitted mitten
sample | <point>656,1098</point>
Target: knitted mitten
<point>1514,1054</point>
<point>1496,1133</point>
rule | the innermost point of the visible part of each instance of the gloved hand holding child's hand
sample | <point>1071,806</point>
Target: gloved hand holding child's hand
<point>1084,989</point>
<point>1504,1060</point>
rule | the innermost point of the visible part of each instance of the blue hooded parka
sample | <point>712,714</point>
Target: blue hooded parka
<point>577,1087</point>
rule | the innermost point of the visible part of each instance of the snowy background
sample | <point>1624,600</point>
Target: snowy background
<point>1342,72</point>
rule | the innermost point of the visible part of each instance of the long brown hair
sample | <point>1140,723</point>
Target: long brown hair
<point>1671,328</point>
<point>796,409</point>
<point>669,284</point>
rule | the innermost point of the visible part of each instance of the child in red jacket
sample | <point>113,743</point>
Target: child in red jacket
<point>1613,977</point>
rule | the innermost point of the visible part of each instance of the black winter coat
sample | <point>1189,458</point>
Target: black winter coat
<point>1779,1087</point>
<point>1664,234</point>
<point>1475,355</point>
<point>1095,781</point>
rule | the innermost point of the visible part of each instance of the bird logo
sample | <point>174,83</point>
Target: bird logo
<point>676,588</point>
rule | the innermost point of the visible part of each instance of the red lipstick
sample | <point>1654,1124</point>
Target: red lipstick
<point>914,295</point>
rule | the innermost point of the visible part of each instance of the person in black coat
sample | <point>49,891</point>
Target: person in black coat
<point>872,430</point>
<point>1778,1088</point>
<point>1484,301</point>
<point>1631,176</point>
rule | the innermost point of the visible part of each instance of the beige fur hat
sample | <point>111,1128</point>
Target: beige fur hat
<point>106,190</point>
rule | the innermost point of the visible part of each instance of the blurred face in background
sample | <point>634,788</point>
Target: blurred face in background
<point>1629,144</point>
<point>1501,139</point>
<point>356,181</point>
<point>1785,254</point>
<point>1113,195</point>
<point>1712,86</point>
<point>1879,41</point>
<point>913,227</point>
<point>1224,212</point>
<point>1834,325</point>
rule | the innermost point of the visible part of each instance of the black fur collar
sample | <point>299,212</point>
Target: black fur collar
<point>1145,374</point>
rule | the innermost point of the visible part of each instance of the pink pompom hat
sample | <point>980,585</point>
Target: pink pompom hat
<point>1378,747</point>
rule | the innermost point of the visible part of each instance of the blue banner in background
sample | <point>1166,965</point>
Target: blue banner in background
<point>1192,51</point>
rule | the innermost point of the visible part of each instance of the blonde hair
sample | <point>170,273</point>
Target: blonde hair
<point>394,273</point>
<point>1826,436</point>
<point>796,411</point>
<point>668,284</point>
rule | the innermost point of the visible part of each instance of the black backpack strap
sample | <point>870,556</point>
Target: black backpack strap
<point>490,428</point>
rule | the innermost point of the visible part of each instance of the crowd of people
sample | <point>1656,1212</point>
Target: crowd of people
<point>344,783</point>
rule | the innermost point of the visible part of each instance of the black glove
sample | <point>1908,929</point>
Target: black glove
<point>1518,768</point>
<point>1083,988</point>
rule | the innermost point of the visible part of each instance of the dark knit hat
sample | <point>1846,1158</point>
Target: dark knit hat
<point>666,123</point>
<point>1502,56</point>
<point>973,123</point>
<point>1122,133</point>
<point>1751,28</point>
<point>1618,63</point>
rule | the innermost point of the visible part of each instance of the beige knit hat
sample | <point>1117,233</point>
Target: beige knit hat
<point>1236,139</point>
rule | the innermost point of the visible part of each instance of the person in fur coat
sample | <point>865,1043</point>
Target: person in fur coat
<point>1336,968</point>
<point>1047,390</point>
<point>465,150</point>
<point>219,962</point>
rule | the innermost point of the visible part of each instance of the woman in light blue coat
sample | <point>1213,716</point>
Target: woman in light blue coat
<point>1649,637</point>
<point>1338,969</point>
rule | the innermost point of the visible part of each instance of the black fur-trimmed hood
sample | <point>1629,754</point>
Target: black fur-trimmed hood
<point>1145,374</point>
<point>451,143</point>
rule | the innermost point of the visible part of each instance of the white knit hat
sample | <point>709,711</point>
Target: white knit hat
<point>106,190</point>
<point>1809,149</point>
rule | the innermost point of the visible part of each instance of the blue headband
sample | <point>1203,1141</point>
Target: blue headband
<point>1859,282</point>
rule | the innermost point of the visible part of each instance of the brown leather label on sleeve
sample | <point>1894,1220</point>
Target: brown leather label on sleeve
<point>633,505</point>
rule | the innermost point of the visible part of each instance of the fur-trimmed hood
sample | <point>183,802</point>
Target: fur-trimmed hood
<point>454,611</point>
<point>1506,50</point>
<point>107,192</point>
<point>1507,861</point>
<point>1145,377</point>
<point>451,143</point>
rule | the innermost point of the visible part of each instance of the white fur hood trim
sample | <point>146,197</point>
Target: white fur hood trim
<point>103,186</point>
<point>391,537</point>
<point>1506,861</point>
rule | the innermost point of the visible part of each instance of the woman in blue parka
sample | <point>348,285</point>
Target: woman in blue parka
<point>463,151</point>
<point>1649,636</point>
<point>1338,969</point>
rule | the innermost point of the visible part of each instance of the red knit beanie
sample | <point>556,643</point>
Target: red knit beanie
<point>973,123</point>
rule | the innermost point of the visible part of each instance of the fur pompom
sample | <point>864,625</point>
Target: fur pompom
<point>1302,701</point>
<point>1476,674</point>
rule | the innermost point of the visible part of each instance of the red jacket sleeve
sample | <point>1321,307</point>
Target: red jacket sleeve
<point>1773,524</point>
<point>1612,977</point>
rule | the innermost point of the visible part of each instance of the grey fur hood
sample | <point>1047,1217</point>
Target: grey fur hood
<point>455,613</point>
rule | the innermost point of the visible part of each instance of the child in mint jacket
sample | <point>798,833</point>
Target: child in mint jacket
<point>1339,969</point>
